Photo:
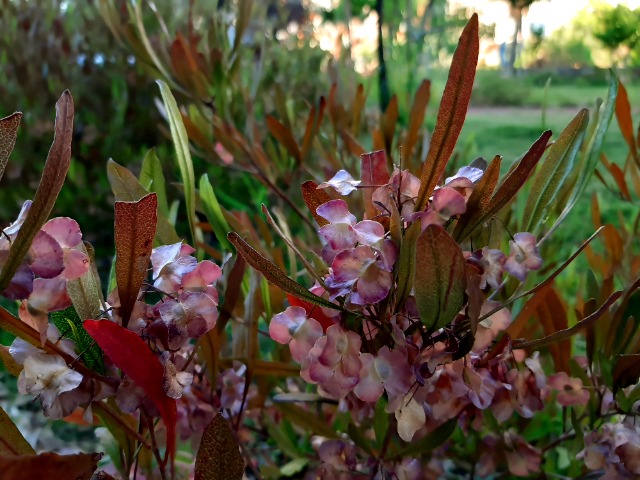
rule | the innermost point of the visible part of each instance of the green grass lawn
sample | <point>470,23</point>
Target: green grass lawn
<point>509,131</point>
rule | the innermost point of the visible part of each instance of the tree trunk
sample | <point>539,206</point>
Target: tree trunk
<point>514,44</point>
<point>383,81</point>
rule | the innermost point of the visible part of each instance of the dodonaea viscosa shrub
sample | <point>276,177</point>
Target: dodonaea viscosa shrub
<point>420,370</point>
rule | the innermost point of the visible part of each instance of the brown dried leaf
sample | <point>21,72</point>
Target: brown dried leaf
<point>625,121</point>
<point>219,455</point>
<point>135,228</point>
<point>49,465</point>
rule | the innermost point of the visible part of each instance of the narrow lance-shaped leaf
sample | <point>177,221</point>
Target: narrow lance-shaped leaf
<point>478,201</point>
<point>452,112</point>
<point>11,440</point>
<point>276,276</point>
<point>569,332</point>
<point>183,155</point>
<point>8,134</point>
<point>53,175</point>
<point>406,266</point>
<point>284,137</point>
<point>219,455</point>
<point>127,188</point>
<point>592,153</point>
<point>132,355</point>
<point>625,120</point>
<point>152,179</point>
<point>440,277</point>
<point>553,171</point>
<point>416,117</point>
<point>213,212</point>
<point>135,227</point>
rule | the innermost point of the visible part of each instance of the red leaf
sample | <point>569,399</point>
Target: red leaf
<point>452,112</point>
<point>131,355</point>
<point>625,121</point>
<point>135,227</point>
<point>312,311</point>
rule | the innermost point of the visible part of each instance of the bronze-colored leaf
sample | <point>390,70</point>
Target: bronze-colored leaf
<point>49,465</point>
<point>452,112</point>
<point>53,175</point>
<point>219,455</point>
<point>8,134</point>
<point>440,277</point>
<point>478,201</point>
<point>276,276</point>
<point>569,332</point>
<point>11,440</point>
<point>625,121</point>
<point>135,228</point>
<point>284,137</point>
<point>626,371</point>
<point>313,198</point>
<point>416,117</point>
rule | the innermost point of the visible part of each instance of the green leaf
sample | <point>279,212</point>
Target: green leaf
<point>53,176</point>
<point>152,179</point>
<point>127,188</point>
<point>181,145</point>
<point>213,212</point>
<point>85,292</point>
<point>430,442</point>
<point>553,171</point>
<point>306,420</point>
<point>294,467</point>
<point>11,440</point>
<point>452,112</point>
<point>219,455</point>
<point>70,325</point>
<point>406,265</point>
<point>440,277</point>
<point>380,422</point>
<point>592,153</point>
<point>276,276</point>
